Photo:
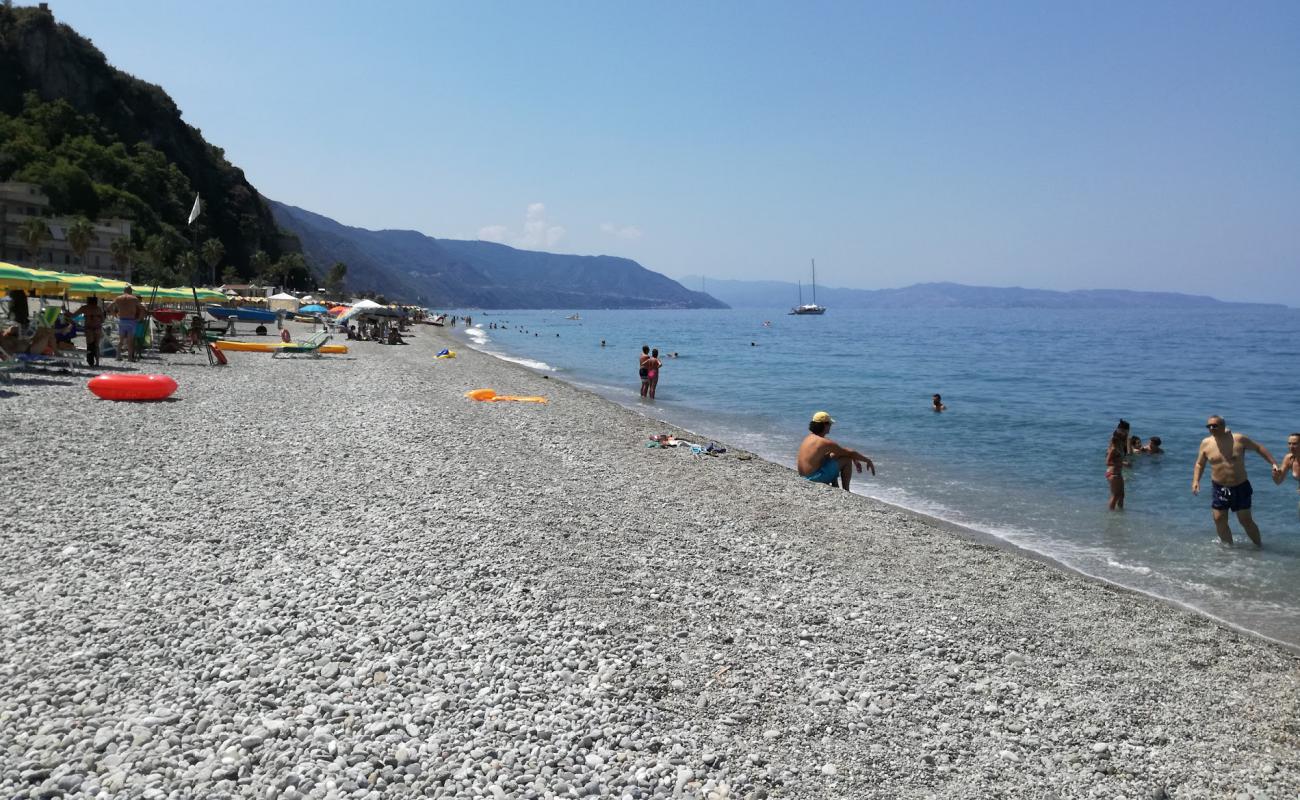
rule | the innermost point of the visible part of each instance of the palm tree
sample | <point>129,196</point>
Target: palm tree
<point>213,251</point>
<point>34,232</point>
<point>260,264</point>
<point>159,251</point>
<point>80,234</point>
<point>122,253</point>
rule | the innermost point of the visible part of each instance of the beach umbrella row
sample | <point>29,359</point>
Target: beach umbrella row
<point>50,283</point>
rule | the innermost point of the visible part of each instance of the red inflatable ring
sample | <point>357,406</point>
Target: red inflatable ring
<point>116,386</point>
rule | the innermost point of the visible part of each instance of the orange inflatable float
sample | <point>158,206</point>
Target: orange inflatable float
<point>269,347</point>
<point>118,386</point>
<point>490,396</point>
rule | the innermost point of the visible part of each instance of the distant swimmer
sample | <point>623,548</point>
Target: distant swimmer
<point>1226,453</point>
<point>753,344</point>
<point>602,342</point>
<point>1153,446</point>
<point>936,403</point>
<point>1135,444</point>
<point>825,461</point>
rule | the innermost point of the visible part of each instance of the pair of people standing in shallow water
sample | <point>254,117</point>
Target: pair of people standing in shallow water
<point>649,371</point>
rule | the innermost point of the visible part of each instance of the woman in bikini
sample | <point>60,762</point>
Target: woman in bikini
<point>652,373</point>
<point>644,369</point>
<point>1114,469</point>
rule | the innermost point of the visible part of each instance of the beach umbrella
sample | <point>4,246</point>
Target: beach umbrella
<point>13,276</point>
<point>204,295</point>
<point>312,309</point>
<point>336,310</point>
<point>82,286</point>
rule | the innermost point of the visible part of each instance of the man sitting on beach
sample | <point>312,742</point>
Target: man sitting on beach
<point>1226,453</point>
<point>826,461</point>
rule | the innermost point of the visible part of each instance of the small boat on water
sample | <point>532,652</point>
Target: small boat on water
<point>809,308</point>
<point>573,316</point>
<point>242,313</point>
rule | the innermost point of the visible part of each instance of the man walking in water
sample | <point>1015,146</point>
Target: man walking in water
<point>825,461</point>
<point>1226,453</point>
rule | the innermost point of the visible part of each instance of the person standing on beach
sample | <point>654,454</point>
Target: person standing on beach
<point>653,366</point>
<point>825,461</point>
<point>1225,452</point>
<point>1115,470</point>
<point>129,311</point>
<point>644,370</point>
<point>93,317</point>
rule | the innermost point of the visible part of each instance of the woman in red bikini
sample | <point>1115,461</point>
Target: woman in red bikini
<point>644,369</point>
<point>652,371</point>
<point>1114,469</point>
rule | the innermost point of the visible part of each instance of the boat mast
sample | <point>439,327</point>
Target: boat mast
<point>800,293</point>
<point>814,270</point>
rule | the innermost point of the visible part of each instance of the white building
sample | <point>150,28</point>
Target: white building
<point>20,202</point>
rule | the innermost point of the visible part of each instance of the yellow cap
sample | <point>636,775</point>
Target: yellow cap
<point>822,416</point>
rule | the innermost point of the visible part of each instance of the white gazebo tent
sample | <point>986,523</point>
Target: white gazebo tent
<point>283,302</point>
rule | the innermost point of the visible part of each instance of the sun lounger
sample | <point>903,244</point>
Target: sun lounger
<point>309,347</point>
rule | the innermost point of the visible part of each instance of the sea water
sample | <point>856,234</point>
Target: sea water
<point>1033,396</point>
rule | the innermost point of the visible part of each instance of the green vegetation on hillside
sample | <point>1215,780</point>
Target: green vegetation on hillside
<point>102,143</point>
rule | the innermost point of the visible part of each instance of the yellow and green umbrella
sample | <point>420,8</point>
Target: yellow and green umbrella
<point>13,276</point>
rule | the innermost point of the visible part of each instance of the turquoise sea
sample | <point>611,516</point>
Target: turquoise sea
<point>1033,396</point>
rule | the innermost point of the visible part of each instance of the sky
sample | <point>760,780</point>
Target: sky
<point>1060,145</point>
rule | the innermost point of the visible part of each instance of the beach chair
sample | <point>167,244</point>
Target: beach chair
<point>308,347</point>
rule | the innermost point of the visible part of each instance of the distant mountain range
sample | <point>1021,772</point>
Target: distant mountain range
<point>779,294</point>
<point>451,273</point>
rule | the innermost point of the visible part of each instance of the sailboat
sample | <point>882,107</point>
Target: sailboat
<point>809,308</point>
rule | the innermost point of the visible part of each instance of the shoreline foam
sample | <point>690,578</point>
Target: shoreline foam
<point>990,537</point>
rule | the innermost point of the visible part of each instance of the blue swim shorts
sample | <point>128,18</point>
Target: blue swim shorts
<point>126,327</point>
<point>1232,498</point>
<point>828,472</point>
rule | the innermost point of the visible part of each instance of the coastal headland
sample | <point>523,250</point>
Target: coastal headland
<point>339,577</point>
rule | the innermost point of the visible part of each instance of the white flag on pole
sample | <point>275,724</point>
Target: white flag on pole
<point>194,212</point>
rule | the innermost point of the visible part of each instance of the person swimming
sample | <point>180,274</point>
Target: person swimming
<point>936,402</point>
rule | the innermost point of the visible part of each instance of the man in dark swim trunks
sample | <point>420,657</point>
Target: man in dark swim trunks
<point>1226,453</point>
<point>824,461</point>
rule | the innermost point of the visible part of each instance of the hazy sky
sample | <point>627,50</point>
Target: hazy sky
<point>1046,144</point>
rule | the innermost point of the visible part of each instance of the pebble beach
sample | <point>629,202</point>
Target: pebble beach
<point>340,578</point>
